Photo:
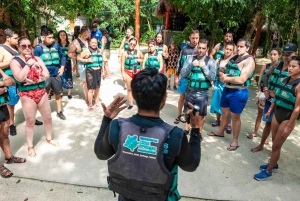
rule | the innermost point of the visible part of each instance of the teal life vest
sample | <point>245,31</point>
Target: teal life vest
<point>232,69</point>
<point>272,82</point>
<point>20,85</point>
<point>7,70</point>
<point>126,44</point>
<point>220,53</point>
<point>130,61</point>
<point>197,79</point>
<point>186,52</point>
<point>65,49</point>
<point>96,56</point>
<point>285,94</point>
<point>160,50</point>
<point>261,84</point>
<point>5,96</point>
<point>137,170</point>
<point>152,61</point>
<point>106,45</point>
<point>50,55</point>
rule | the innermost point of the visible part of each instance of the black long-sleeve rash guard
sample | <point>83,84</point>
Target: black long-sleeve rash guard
<point>181,152</point>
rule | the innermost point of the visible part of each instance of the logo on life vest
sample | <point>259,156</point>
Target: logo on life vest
<point>284,94</point>
<point>143,145</point>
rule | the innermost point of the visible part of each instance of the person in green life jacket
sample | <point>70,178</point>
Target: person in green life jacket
<point>162,49</point>
<point>6,81</point>
<point>93,60</point>
<point>200,72</point>
<point>272,81</point>
<point>149,172</point>
<point>67,78</point>
<point>106,43</point>
<point>218,51</point>
<point>275,54</point>
<point>32,92</point>
<point>125,42</point>
<point>152,59</point>
<point>130,66</point>
<point>286,107</point>
<point>55,60</point>
<point>237,79</point>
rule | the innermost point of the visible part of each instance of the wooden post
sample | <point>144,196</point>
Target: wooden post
<point>257,36</point>
<point>166,24</point>
<point>137,20</point>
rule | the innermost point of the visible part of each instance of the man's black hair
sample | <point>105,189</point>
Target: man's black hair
<point>229,32</point>
<point>46,31</point>
<point>148,89</point>
<point>9,33</point>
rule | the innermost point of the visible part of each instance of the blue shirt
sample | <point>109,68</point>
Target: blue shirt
<point>53,69</point>
<point>97,34</point>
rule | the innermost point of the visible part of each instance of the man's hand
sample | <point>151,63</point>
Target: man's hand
<point>223,78</point>
<point>61,71</point>
<point>114,108</point>
<point>267,94</point>
<point>194,119</point>
<point>196,63</point>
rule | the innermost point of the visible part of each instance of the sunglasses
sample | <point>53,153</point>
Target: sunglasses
<point>26,46</point>
<point>132,44</point>
<point>286,54</point>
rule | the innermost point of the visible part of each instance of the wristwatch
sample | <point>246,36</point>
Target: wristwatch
<point>5,89</point>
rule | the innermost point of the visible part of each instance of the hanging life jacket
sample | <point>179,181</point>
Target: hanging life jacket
<point>50,55</point>
<point>197,79</point>
<point>7,70</point>
<point>137,171</point>
<point>152,61</point>
<point>5,96</point>
<point>285,94</point>
<point>20,85</point>
<point>130,61</point>
<point>96,56</point>
<point>220,53</point>
<point>232,69</point>
<point>261,84</point>
<point>272,82</point>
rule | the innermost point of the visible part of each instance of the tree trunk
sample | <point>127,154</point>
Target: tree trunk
<point>253,24</point>
<point>257,36</point>
<point>137,20</point>
<point>297,26</point>
<point>149,24</point>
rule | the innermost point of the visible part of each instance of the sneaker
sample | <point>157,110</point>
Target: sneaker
<point>69,96</point>
<point>129,107</point>
<point>175,88</point>
<point>216,123</point>
<point>265,166</point>
<point>12,130</point>
<point>61,115</point>
<point>263,175</point>
<point>38,123</point>
<point>228,129</point>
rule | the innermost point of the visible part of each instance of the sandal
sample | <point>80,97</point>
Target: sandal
<point>228,129</point>
<point>14,159</point>
<point>169,87</point>
<point>232,148</point>
<point>5,173</point>
<point>177,120</point>
<point>91,107</point>
<point>32,153</point>
<point>55,144</point>
<point>216,123</point>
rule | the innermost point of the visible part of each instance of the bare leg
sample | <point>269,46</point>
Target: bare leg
<point>45,110</point>
<point>169,80</point>
<point>69,92</point>
<point>85,90</point>
<point>218,116</point>
<point>96,96</point>
<point>224,122</point>
<point>180,104</point>
<point>58,102</point>
<point>106,69</point>
<point>278,141</point>
<point>11,110</point>
<point>90,97</point>
<point>201,123</point>
<point>129,92</point>
<point>264,137</point>
<point>236,125</point>
<point>257,122</point>
<point>4,140</point>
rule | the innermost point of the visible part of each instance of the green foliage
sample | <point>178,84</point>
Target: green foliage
<point>147,35</point>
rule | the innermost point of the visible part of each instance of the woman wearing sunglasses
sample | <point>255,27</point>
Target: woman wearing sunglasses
<point>125,41</point>
<point>130,66</point>
<point>152,59</point>
<point>30,74</point>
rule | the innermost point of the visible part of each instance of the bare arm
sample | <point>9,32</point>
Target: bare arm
<point>166,52</point>
<point>72,49</point>
<point>140,57</point>
<point>19,73</point>
<point>123,58</point>
<point>296,110</point>
<point>7,81</point>
<point>248,68</point>
<point>269,73</point>
<point>260,75</point>
<point>3,64</point>
<point>121,46</point>
<point>214,51</point>
<point>161,63</point>
<point>144,62</point>
<point>103,41</point>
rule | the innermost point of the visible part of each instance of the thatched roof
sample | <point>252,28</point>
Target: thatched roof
<point>162,6</point>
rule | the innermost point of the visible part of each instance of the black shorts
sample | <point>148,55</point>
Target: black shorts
<point>4,114</point>
<point>198,98</point>
<point>55,84</point>
<point>93,78</point>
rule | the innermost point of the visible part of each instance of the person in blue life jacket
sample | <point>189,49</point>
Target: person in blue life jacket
<point>264,103</point>
<point>237,79</point>
<point>125,42</point>
<point>6,81</point>
<point>54,59</point>
<point>162,49</point>
<point>75,48</point>
<point>187,52</point>
<point>273,78</point>
<point>218,87</point>
<point>144,152</point>
<point>96,33</point>
<point>152,59</point>
<point>219,50</point>
<point>93,60</point>
<point>200,72</point>
<point>286,108</point>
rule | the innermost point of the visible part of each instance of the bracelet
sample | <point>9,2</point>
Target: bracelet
<point>265,89</point>
<point>270,110</point>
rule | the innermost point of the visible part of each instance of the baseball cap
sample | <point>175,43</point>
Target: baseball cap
<point>290,47</point>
